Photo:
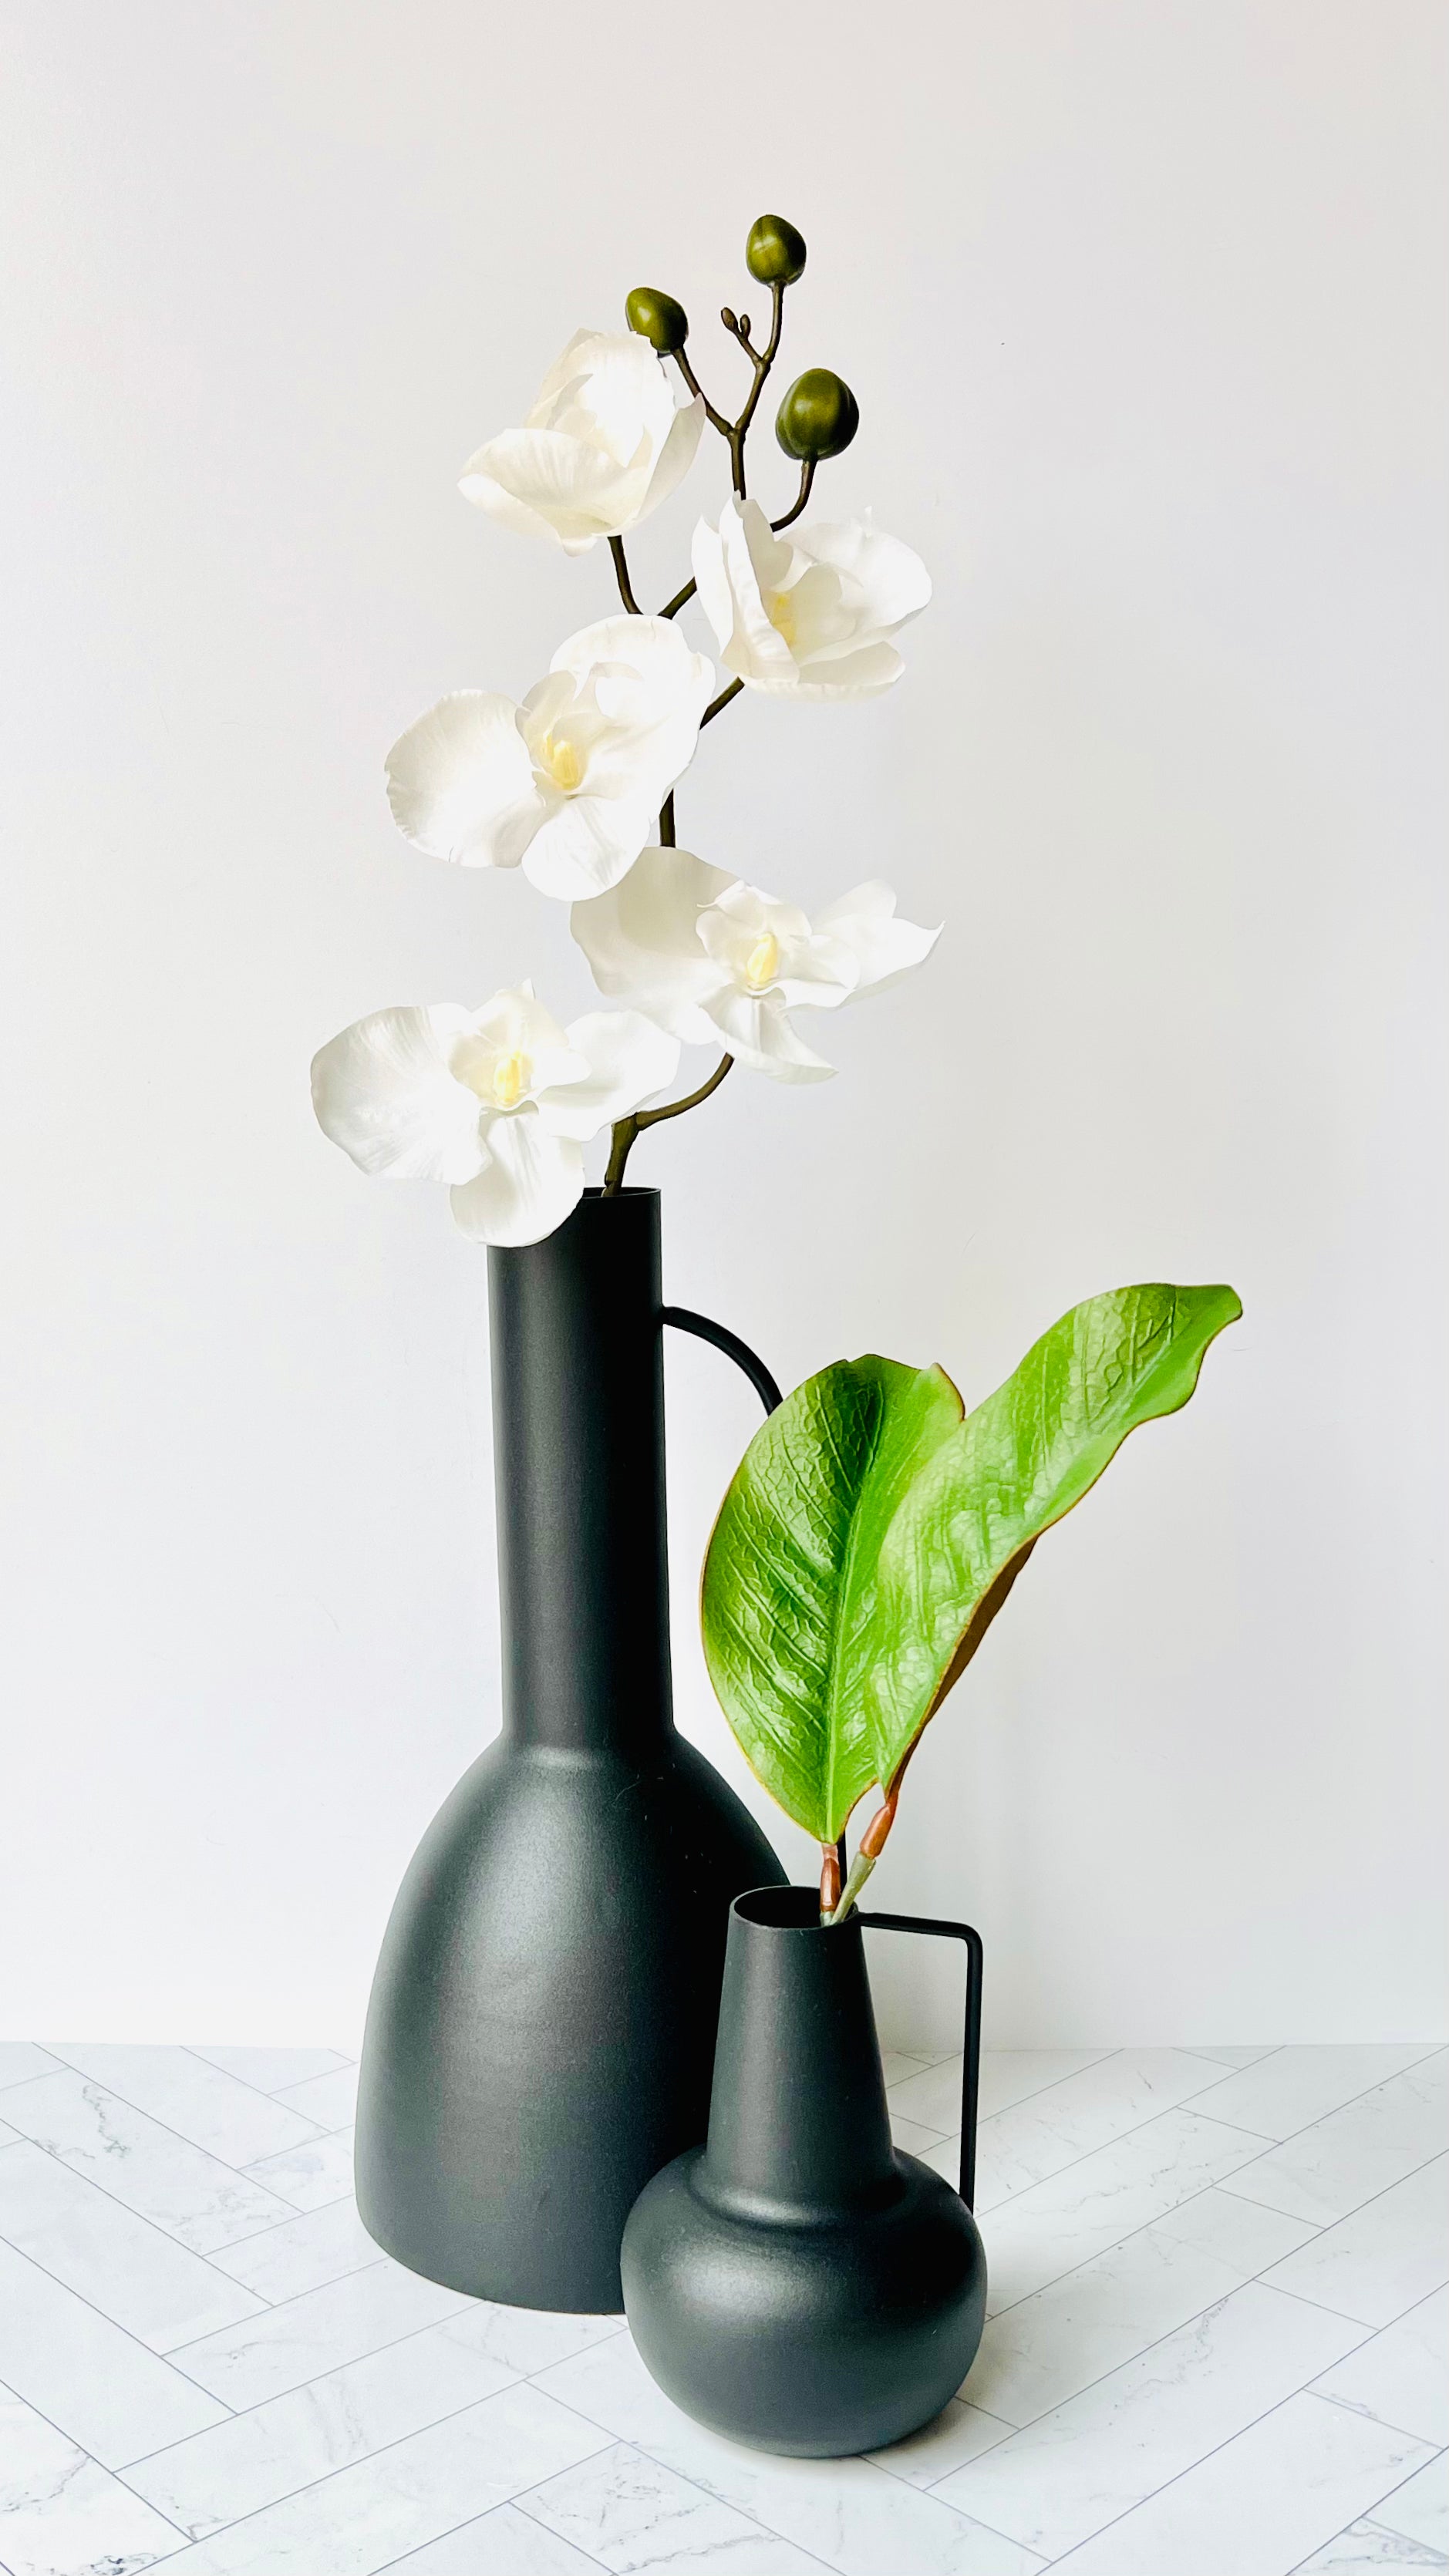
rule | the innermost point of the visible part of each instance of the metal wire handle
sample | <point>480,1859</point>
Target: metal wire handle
<point>971,2044</point>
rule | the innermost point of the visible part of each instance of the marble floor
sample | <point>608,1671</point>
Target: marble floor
<point>1216,2342</point>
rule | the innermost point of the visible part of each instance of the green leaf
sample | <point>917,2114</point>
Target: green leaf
<point>871,1534</point>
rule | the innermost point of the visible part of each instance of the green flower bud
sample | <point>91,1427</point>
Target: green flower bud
<point>818,417</point>
<point>657,318</point>
<point>775,252</point>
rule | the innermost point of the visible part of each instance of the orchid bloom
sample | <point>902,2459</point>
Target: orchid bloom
<point>572,781</point>
<point>497,1102</point>
<point>601,448</point>
<point>717,962</point>
<point>807,616</point>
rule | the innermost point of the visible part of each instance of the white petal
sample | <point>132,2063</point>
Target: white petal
<point>461,784</point>
<point>517,1019</point>
<point>525,477</point>
<point>588,845</point>
<point>675,458</point>
<point>757,1032</point>
<point>711,581</point>
<point>384,1092</point>
<point>630,1061</point>
<point>642,938</point>
<point>884,949</point>
<point>756,650</point>
<point>612,387</point>
<point>895,582</point>
<point>863,674</point>
<point>529,1184</point>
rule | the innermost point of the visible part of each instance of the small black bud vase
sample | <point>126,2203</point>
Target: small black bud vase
<point>797,2283</point>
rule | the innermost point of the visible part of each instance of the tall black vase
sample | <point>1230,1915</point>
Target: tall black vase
<point>542,2023</point>
<point>798,2283</point>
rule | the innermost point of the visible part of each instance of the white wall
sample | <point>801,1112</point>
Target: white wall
<point>1143,302</point>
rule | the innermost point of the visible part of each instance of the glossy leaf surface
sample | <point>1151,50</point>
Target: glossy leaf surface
<point>871,1533</point>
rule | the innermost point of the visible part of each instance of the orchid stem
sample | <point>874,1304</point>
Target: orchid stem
<point>807,477</point>
<point>716,705</point>
<point>621,569</point>
<point>625,1130</point>
<point>666,822</point>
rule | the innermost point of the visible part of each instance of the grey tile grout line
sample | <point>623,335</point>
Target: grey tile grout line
<point>239,2414</point>
<point>189,2048</point>
<point>641,2450</point>
<point>1369,2333</point>
<point>91,2462</point>
<point>1270,2147</point>
<point>1066,2556</point>
<point>64,2067</point>
<point>1365,2414</point>
<point>167,2238</point>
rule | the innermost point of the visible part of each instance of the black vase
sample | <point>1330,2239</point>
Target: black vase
<point>542,2022</point>
<point>798,2284</point>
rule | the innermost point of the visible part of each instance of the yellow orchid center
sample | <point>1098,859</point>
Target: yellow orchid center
<point>780,609</point>
<point>562,762</point>
<point>763,962</point>
<point>511,1074</point>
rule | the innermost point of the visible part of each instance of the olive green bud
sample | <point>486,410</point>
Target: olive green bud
<point>730,320</point>
<point>818,417</point>
<point>657,318</point>
<point>775,252</point>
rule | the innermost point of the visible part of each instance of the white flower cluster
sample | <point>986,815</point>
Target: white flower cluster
<point>498,1103</point>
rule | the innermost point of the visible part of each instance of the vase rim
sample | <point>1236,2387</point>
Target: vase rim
<point>595,1193</point>
<point>784,1909</point>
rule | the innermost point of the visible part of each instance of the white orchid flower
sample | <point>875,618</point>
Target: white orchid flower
<point>572,781</point>
<point>807,616</point>
<point>499,1102</point>
<point>716,962</point>
<point>603,445</point>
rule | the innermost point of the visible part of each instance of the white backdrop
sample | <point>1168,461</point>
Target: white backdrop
<point>1143,303</point>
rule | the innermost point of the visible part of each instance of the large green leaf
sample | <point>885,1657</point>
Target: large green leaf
<point>871,1534</point>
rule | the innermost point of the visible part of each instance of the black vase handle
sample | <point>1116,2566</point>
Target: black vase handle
<point>971,2043</point>
<point>685,1320</point>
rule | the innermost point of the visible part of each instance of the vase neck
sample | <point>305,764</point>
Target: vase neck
<point>578,1446</point>
<point>798,2118</point>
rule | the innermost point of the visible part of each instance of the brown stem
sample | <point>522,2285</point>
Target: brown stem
<point>807,477</point>
<point>716,705</point>
<point>666,822</point>
<point>625,1130</point>
<point>868,1850</point>
<point>829,1879</point>
<point>680,600</point>
<point>716,418</point>
<point>621,569</point>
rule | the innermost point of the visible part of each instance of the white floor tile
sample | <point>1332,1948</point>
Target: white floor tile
<point>364,2517</point>
<point>959,2433</point>
<point>850,2513</point>
<point>255,2459</point>
<point>1235,2056</point>
<point>898,2063</point>
<point>1056,2225</point>
<point>200,2102</point>
<point>1007,2075</point>
<point>270,2070</point>
<point>1040,2137</point>
<point>106,2391</point>
<point>1364,2549</point>
<point>286,2346</point>
<point>628,2512</point>
<point>311,2175</point>
<point>195,2197</point>
<point>1326,2172</point>
<point>20,2060</point>
<point>300,2254</point>
<point>502,2543</point>
<point>1041,2352</point>
<point>912,2139</point>
<point>1401,2375</point>
<point>330,2100</point>
<point>60,2515</point>
<point>1237,2231</point>
<point>138,2277</point>
<point>1284,2092</point>
<point>1384,2259</point>
<point>1094,2458</point>
<point>1283,2487</point>
<point>1420,2509</point>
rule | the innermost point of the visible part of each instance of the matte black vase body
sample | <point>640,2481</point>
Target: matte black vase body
<point>542,2023</point>
<point>798,2284</point>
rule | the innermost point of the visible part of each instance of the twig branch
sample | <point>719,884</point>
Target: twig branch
<point>807,477</point>
<point>621,569</point>
<point>626,1130</point>
<point>717,704</point>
